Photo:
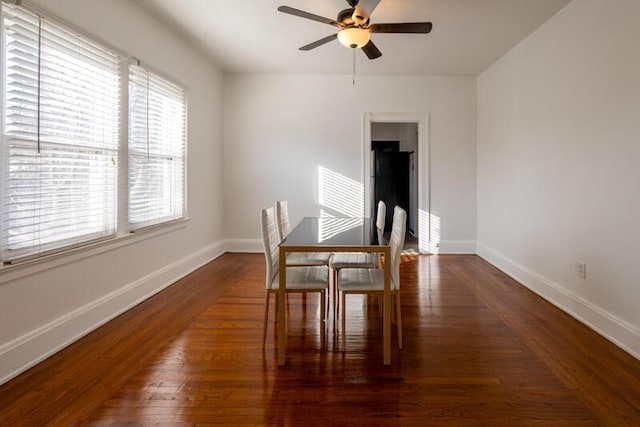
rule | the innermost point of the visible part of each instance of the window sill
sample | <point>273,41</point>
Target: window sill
<point>16,271</point>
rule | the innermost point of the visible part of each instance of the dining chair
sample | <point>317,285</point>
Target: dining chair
<point>300,279</point>
<point>358,259</point>
<point>371,280</point>
<point>381,217</point>
<point>296,258</point>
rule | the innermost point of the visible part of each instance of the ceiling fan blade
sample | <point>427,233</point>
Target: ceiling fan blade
<point>371,50</point>
<point>402,27</point>
<point>320,42</point>
<point>307,15</point>
<point>363,11</point>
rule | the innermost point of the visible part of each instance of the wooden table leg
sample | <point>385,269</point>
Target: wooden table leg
<point>282,325</point>
<point>386,329</point>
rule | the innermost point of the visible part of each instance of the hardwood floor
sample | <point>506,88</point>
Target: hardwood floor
<point>479,349</point>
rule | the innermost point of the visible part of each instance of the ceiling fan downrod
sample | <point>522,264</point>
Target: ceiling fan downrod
<point>354,68</point>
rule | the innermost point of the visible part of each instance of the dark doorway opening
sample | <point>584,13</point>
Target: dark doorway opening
<point>391,173</point>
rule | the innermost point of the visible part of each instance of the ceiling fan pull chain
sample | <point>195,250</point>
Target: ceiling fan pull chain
<point>354,66</point>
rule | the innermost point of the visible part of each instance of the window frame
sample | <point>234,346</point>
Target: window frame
<point>132,227</point>
<point>124,235</point>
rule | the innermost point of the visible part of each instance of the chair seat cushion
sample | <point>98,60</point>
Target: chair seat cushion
<point>308,258</point>
<point>362,279</point>
<point>304,278</point>
<point>354,260</point>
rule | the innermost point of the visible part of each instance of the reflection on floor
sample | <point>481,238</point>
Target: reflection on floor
<point>478,349</point>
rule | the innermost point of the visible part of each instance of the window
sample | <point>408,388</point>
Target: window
<point>156,149</point>
<point>59,136</point>
<point>63,95</point>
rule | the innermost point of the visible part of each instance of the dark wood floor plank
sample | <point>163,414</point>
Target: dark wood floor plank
<point>479,349</point>
<point>583,360</point>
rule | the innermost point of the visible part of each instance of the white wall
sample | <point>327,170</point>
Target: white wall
<point>558,153</point>
<point>279,129</point>
<point>46,305</point>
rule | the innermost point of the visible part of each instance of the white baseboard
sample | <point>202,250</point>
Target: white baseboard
<point>606,324</point>
<point>30,349</point>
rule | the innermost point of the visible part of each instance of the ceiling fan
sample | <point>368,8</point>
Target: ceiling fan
<point>355,28</point>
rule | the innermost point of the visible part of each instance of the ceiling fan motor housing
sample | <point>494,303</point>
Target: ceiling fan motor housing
<point>345,15</point>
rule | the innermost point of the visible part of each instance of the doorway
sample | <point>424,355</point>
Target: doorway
<point>392,178</point>
<point>396,167</point>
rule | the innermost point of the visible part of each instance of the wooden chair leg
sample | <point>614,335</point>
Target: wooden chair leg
<point>343,329</point>
<point>287,306</point>
<point>393,311</point>
<point>329,297</point>
<point>399,318</point>
<point>277,303</point>
<point>344,323</point>
<point>336,296</point>
<point>322,319</point>
<point>266,318</point>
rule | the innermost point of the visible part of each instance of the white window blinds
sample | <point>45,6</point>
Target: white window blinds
<point>157,110</point>
<point>59,139</point>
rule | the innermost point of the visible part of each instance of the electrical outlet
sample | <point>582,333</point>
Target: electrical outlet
<point>581,270</point>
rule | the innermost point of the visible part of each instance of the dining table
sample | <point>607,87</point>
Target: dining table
<point>333,234</point>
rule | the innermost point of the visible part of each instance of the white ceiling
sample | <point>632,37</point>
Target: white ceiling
<point>252,36</point>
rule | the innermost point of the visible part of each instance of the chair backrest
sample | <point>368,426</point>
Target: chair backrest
<point>396,243</point>
<point>282,215</point>
<point>270,242</point>
<point>380,219</point>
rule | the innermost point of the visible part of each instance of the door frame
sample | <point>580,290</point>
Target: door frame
<point>423,226</point>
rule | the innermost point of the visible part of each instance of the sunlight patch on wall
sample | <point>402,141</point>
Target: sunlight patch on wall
<point>429,232</point>
<point>435,234</point>
<point>339,195</point>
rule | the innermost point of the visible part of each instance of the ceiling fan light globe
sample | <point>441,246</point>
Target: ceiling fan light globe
<point>353,37</point>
